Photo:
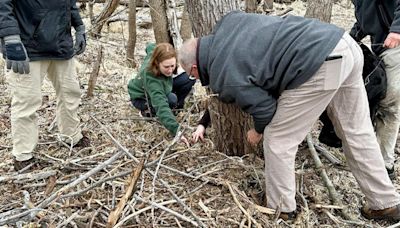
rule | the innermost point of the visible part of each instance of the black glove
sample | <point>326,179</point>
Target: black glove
<point>80,40</point>
<point>16,56</point>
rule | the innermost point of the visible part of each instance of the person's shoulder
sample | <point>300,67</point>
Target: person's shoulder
<point>150,47</point>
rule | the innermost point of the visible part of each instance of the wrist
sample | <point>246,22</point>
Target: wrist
<point>80,29</point>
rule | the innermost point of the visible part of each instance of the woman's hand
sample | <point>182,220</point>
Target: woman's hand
<point>198,134</point>
<point>184,140</point>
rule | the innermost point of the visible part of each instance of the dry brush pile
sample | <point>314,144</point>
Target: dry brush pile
<point>136,175</point>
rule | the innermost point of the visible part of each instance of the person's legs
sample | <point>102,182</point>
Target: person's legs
<point>172,100</point>
<point>182,85</point>
<point>297,111</point>
<point>388,119</point>
<point>62,74</point>
<point>26,100</point>
<point>350,115</point>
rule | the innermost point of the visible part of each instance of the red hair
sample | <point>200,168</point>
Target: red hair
<point>163,51</point>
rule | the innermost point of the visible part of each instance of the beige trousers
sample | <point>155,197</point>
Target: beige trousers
<point>337,85</point>
<point>27,98</point>
<point>388,120</point>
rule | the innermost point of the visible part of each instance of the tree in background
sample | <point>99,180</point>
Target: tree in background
<point>230,123</point>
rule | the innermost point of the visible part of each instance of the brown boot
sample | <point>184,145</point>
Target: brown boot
<point>288,216</point>
<point>19,165</point>
<point>84,142</point>
<point>390,214</point>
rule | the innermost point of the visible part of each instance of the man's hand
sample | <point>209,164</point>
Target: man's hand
<point>16,57</point>
<point>198,134</point>
<point>253,137</point>
<point>392,40</point>
<point>80,40</point>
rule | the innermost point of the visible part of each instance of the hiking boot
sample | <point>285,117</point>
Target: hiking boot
<point>389,214</point>
<point>29,164</point>
<point>84,142</point>
<point>391,173</point>
<point>288,216</point>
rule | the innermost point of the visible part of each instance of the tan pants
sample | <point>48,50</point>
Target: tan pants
<point>337,85</point>
<point>388,121</point>
<point>27,98</point>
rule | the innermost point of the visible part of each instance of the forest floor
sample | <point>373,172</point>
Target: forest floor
<point>208,186</point>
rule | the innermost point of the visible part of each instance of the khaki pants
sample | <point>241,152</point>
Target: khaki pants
<point>27,98</point>
<point>388,121</point>
<point>337,85</point>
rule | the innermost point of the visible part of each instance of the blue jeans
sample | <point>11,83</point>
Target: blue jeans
<point>142,105</point>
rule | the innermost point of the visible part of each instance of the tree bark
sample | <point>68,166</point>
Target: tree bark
<point>230,122</point>
<point>251,6</point>
<point>130,49</point>
<point>160,21</point>
<point>186,25</point>
<point>173,26</point>
<point>319,9</point>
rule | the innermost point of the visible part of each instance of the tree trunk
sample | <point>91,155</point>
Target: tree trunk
<point>160,21</point>
<point>104,15</point>
<point>173,26</point>
<point>251,6</point>
<point>320,9</point>
<point>186,25</point>
<point>230,122</point>
<point>130,49</point>
<point>268,5</point>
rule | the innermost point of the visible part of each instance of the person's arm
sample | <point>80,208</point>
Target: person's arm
<point>76,19</point>
<point>80,30</point>
<point>9,24</point>
<point>12,47</point>
<point>393,38</point>
<point>159,101</point>
<point>356,32</point>
<point>201,127</point>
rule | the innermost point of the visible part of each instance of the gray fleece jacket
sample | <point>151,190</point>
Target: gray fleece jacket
<point>250,59</point>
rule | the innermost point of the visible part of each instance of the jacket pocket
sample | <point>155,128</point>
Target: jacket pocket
<point>45,36</point>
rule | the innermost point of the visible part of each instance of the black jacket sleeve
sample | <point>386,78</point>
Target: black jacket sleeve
<point>8,23</point>
<point>76,19</point>
<point>357,33</point>
<point>205,119</point>
<point>395,26</point>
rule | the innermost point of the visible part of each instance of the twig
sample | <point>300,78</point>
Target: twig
<point>99,167</point>
<point>176,214</point>
<point>251,219</point>
<point>136,213</point>
<point>28,176</point>
<point>69,220</point>
<point>333,195</point>
<point>114,215</point>
<point>328,155</point>
<point>200,223</point>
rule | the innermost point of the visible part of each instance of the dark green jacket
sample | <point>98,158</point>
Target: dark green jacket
<point>157,88</point>
<point>376,18</point>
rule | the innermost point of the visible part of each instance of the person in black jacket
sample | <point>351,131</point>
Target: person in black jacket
<point>285,72</point>
<point>380,19</point>
<point>37,41</point>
